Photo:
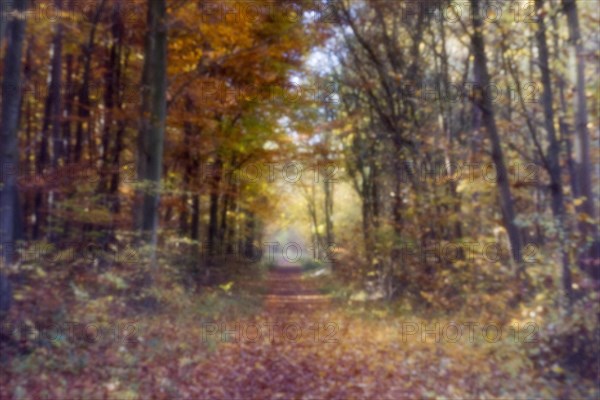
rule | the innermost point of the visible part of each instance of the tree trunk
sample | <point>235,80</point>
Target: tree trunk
<point>250,230</point>
<point>29,137</point>
<point>110,90</point>
<point>155,63</point>
<point>9,142</point>
<point>5,296</point>
<point>9,145</point>
<point>55,91</point>
<point>119,98</point>
<point>195,225</point>
<point>42,160</point>
<point>588,228</point>
<point>66,125</point>
<point>447,126</point>
<point>214,207</point>
<point>552,154</point>
<point>328,191</point>
<point>231,225</point>
<point>565,130</point>
<point>312,210</point>
<point>225,201</point>
<point>484,102</point>
<point>83,105</point>
<point>190,167</point>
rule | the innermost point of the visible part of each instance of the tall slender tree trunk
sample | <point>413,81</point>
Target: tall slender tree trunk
<point>83,106</point>
<point>552,154</point>
<point>66,125</point>
<point>9,145</point>
<point>56,109</point>
<point>312,210</point>
<point>328,192</point>
<point>195,225</point>
<point>154,117</point>
<point>328,188</point>
<point>42,161</point>
<point>368,217</point>
<point>214,207</point>
<point>226,202</point>
<point>29,137</point>
<point>447,127</point>
<point>588,228</point>
<point>484,102</point>
<point>2,28</point>
<point>114,95</point>
<point>56,87</point>
<point>9,142</point>
<point>232,225</point>
<point>110,91</point>
<point>566,134</point>
<point>250,235</point>
<point>226,205</point>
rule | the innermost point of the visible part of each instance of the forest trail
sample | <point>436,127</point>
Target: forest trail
<point>303,346</point>
<point>288,292</point>
<point>301,353</point>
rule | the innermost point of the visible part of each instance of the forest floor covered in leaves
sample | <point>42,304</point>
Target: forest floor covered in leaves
<point>281,339</point>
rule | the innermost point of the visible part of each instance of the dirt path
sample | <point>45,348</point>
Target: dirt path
<point>301,347</point>
<point>290,293</point>
<point>300,354</point>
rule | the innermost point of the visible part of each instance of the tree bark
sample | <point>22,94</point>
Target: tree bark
<point>484,102</point>
<point>9,142</point>
<point>9,146</point>
<point>155,64</point>
<point>55,90</point>
<point>83,105</point>
<point>214,206</point>
<point>552,154</point>
<point>588,228</point>
<point>566,133</point>
<point>195,225</point>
